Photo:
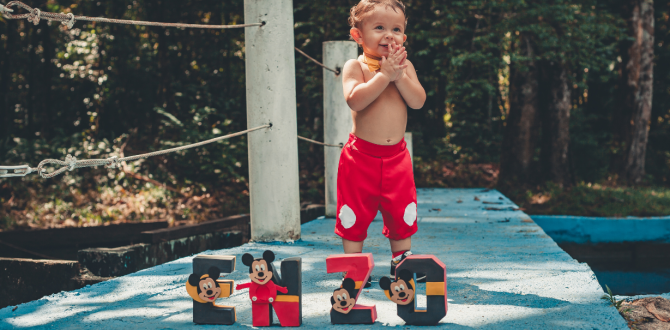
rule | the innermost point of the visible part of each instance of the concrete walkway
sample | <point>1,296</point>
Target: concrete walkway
<point>503,272</point>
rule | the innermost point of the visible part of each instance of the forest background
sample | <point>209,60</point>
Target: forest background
<point>542,90</point>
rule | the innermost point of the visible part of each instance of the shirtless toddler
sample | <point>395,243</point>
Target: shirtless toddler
<point>375,168</point>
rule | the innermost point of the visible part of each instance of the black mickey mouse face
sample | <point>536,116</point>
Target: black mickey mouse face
<point>344,299</point>
<point>401,291</point>
<point>260,270</point>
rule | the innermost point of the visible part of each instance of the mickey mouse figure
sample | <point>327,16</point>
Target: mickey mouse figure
<point>400,291</point>
<point>262,289</point>
<point>344,299</point>
<point>204,288</point>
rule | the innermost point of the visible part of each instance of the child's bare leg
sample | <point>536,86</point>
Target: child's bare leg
<point>401,245</point>
<point>352,246</point>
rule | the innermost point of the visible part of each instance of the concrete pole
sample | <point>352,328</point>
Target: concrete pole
<point>271,98</point>
<point>410,146</point>
<point>337,122</point>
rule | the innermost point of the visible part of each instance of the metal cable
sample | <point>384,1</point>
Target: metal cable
<point>337,72</point>
<point>341,145</point>
<point>71,162</point>
<point>34,16</point>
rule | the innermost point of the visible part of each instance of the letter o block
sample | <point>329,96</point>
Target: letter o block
<point>436,290</point>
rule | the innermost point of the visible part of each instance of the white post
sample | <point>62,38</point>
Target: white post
<point>271,98</point>
<point>410,146</point>
<point>337,122</point>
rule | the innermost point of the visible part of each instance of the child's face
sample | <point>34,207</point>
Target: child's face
<point>382,27</point>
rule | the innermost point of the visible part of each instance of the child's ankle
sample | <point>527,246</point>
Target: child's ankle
<point>395,254</point>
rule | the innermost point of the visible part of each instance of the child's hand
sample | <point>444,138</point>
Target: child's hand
<point>394,66</point>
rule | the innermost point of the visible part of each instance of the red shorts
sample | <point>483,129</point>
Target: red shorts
<point>373,178</point>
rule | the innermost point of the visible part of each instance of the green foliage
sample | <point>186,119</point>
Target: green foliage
<point>102,89</point>
<point>598,200</point>
<point>609,297</point>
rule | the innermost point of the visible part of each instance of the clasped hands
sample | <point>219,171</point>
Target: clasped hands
<point>394,65</point>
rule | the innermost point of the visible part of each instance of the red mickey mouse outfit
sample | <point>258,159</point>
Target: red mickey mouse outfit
<point>266,293</point>
<point>373,178</point>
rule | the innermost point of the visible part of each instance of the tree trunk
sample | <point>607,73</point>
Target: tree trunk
<point>637,80</point>
<point>33,107</point>
<point>48,114</point>
<point>555,123</point>
<point>6,113</point>
<point>521,124</point>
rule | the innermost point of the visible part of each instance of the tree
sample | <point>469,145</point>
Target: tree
<point>521,131</point>
<point>637,78</point>
<point>564,35</point>
<point>556,123</point>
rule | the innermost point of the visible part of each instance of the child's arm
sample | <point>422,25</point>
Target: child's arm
<point>358,93</point>
<point>410,88</point>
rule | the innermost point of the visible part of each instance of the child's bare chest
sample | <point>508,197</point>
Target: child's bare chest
<point>390,98</point>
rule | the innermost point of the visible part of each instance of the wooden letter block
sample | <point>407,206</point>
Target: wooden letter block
<point>436,290</point>
<point>288,306</point>
<point>344,308</point>
<point>267,290</point>
<point>204,287</point>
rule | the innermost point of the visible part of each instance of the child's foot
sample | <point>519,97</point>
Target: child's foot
<point>396,261</point>
<point>367,285</point>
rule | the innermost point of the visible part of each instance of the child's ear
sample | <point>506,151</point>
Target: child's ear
<point>356,35</point>
<point>404,38</point>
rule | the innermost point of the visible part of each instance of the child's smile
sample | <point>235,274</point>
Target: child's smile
<point>380,29</point>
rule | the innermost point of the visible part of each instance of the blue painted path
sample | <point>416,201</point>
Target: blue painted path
<point>503,272</point>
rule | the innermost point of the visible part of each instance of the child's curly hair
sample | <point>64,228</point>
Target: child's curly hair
<point>359,11</point>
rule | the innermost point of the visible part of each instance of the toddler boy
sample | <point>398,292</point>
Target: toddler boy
<point>375,168</point>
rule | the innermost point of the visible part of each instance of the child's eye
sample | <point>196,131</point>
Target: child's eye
<point>396,29</point>
<point>379,27</point>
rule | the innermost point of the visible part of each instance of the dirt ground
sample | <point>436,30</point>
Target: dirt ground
<point>647,313</point>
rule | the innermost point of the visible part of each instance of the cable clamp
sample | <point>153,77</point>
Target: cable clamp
<point>19,171</point>
<point>113,162</point>
<point>35,17</point>
<point>71,162</point>
<point>4,9</point>
<point>70,22</point>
